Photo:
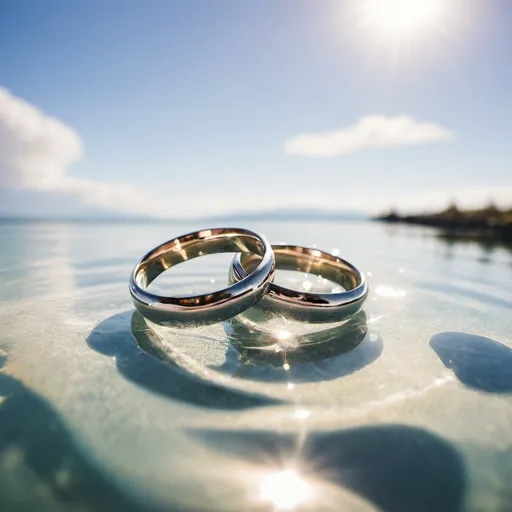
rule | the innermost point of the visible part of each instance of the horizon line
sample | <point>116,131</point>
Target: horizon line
<point>269,215</point>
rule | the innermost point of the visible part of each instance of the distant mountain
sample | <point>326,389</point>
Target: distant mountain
<point>292,214</point>
<point>265,215</point>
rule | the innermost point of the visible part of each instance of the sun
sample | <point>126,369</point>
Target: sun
<point>398,17</point>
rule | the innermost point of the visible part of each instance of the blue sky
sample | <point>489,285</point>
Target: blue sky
<point>185,108</point>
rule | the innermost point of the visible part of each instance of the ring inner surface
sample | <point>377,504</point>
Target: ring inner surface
<point>197,244</point>
<point>310,261</point>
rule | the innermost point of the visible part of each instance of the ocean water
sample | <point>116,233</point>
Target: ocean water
<point>406,408</point>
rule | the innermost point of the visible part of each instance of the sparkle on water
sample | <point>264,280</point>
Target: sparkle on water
<point>390,292</point>
<point>281,334</point>
<point>302,414</point>
<point>285,340</point>
<point>285,489</point>
<point>306,285</point>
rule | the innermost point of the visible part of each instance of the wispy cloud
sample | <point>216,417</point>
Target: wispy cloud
<point>368,132</point>
<point>36,151</point>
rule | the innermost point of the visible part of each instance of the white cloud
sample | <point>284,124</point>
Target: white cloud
<point>36,151</point>
<point>369,131</point>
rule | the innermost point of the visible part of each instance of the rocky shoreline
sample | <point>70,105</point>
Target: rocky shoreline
<point>490,225</point>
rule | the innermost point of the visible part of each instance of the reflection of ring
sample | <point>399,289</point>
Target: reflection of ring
<point>305,306</point>
<point>208,308</point>
<point>257,344</point>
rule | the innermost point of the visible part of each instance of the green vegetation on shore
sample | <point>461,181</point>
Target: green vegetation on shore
<point>490,223</point>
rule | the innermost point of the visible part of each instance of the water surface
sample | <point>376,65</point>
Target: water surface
<point>409,408</point>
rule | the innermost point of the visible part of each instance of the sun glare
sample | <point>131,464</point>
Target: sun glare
<point>397,17</point>
<point>285,489</point>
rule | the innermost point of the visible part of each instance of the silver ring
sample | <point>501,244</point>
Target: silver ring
<point>211,307</point>
<point>305,306</point>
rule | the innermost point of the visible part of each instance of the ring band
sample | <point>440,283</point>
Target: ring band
<point>306,306</point>
<point>208,308</point>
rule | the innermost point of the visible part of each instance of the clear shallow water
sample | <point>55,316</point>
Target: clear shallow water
<point>408,409</point>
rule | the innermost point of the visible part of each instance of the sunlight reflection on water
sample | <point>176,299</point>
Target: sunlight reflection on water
<point>68,354</point>
<point>285,489</point>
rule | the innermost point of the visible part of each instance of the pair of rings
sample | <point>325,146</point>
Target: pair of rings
<point>250,281</point>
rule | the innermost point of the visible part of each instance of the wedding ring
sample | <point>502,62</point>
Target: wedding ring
<point>302,305</point>
<point>211,307</point>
